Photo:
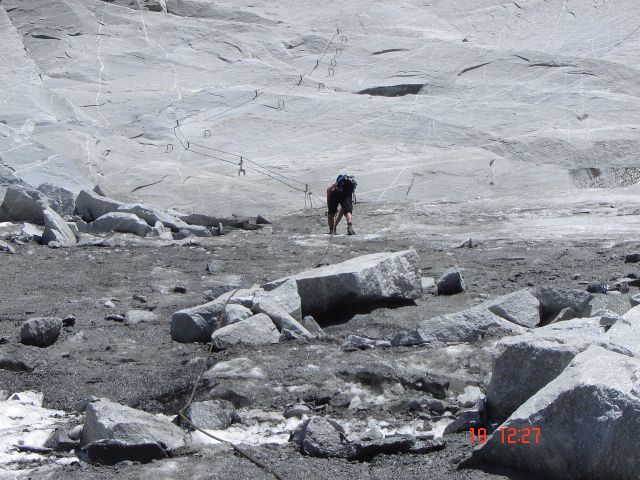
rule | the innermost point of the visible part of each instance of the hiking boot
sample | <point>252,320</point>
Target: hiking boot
<point>350,229</point>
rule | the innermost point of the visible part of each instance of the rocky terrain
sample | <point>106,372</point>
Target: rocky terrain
<point>171,306</point>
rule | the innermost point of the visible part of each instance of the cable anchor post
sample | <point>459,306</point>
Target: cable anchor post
<point>241,169</point>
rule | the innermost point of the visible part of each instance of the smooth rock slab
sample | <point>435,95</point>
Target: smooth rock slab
<point>526,363</point>
<point>40,331</point>
<point>589,418</point>
<point>625,332</point>
<point>91,206</point>
<point>364,279</point>
<point>126,433</point>
<point>256,330</point>
<point>520,307</point>
<point>279,316</point>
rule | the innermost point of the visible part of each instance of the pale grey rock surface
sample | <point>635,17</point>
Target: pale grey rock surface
<point>256,330</point>
<point>519,307</point>
<point>63,201</point>
<point>211,414</point>
<point>23,204</point>
<point>196,324</point>
<point>120,222</point>
<point>526,363</point>
<point>57,230</point>
<point>587,418</point>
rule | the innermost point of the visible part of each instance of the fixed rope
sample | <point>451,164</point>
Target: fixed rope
<point>246,454</point>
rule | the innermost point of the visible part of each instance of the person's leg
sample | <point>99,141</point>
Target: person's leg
<point>331,219</point>
<point>349,217</point>
<point>332,207</point>
<point>339,218</point>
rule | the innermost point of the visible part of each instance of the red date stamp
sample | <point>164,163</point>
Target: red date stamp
<point>509,436</point>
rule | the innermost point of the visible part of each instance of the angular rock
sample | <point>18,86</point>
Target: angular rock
<point>255,330</point>
<point>31,232</point>
<point>625,332</point>
<point>526,363</point>
<point>465,326</point>
<point>587,420</point>
<point>607,319</point>
<point>6,248</point>
<point>287,296</point>
<point>153,215</point>
<point>61,200</point>
<point>120,222</point>
<point>424,446</point>
<point>278,315</point>
<point>57,230</point>
<point>391,445</point>
<point>365,343</point>
<point>553,300</point>
<point>310,324</point>
<point>519,307</point>
<point>319,437</point>
<point>364,279</point>
<point>116,431</point>
<point>23,204</point>
<point>450,282</point>
<point>40,331</point>
<point>598,287</point>
<point>470,396</point>
<point>474,417</point>
<point>565,314</point>
<point>632,258</point>
<point>91,206</point>
<point>60,441</point>
<point>198,323</point>
<point>635,300</point>
<point>211,414</point>
<point>429,285</point>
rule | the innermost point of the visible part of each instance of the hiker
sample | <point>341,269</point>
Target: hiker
<point>341,193</point>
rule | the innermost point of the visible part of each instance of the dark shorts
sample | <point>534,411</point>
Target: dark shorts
<point>335,198</point>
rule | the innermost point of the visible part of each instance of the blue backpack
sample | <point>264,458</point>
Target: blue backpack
<point>342,179</point>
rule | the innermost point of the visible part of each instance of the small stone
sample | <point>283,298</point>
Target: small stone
<point>114,317</point>
<point>179,289</point>
<point>6,248</point>
<point>596,287</point>
<point>297,411</point>
<point>69,321</point>
<point>310,324</point>
<point>632,258</point>
<point>133,317</point>
<point>109,304</point>
<point>364,343</point>
<point>140,298</point>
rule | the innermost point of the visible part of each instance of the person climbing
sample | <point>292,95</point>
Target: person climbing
<point>341,193</point>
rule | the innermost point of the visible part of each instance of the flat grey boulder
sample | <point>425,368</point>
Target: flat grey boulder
<point>120,222</point>
<point>57,230</point>
<point>61,200</point>
<point>279,316</point>
<point>553,300</point>
<point>520,307</point>
<point>23,204</point>
<point>364,279</point>
<point>587,420</point>
<point>91,206</point>
<point>133,317</point>
<point>320,437</point>
<point>196,324</point>
<point>127,432</point>
<point>255,330</point>
<point>40,331</point>
<point>310,324</point>
<point>152,215</point>
<point>526,363</point>
<point>450,282</point>
<point>466,326</point>
<point>210,414</point>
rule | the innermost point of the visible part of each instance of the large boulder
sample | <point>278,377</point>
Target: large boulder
<point>256,330</point>
<point>120,222</point>
<point>40,331</point>
<point>23,204</point>
<point>554,300</point>
<point>625,332</point>
<point>61,200</point>
<point>91,206</point>
<point>520,307</point>
<point>583,424</point>
<point>152,215</point>
<point>114,432</point>
<point>526,363</point>
<point>196,324</point>
<point>466,326</point>
<point>57,230</point>
<point>364,279</point>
